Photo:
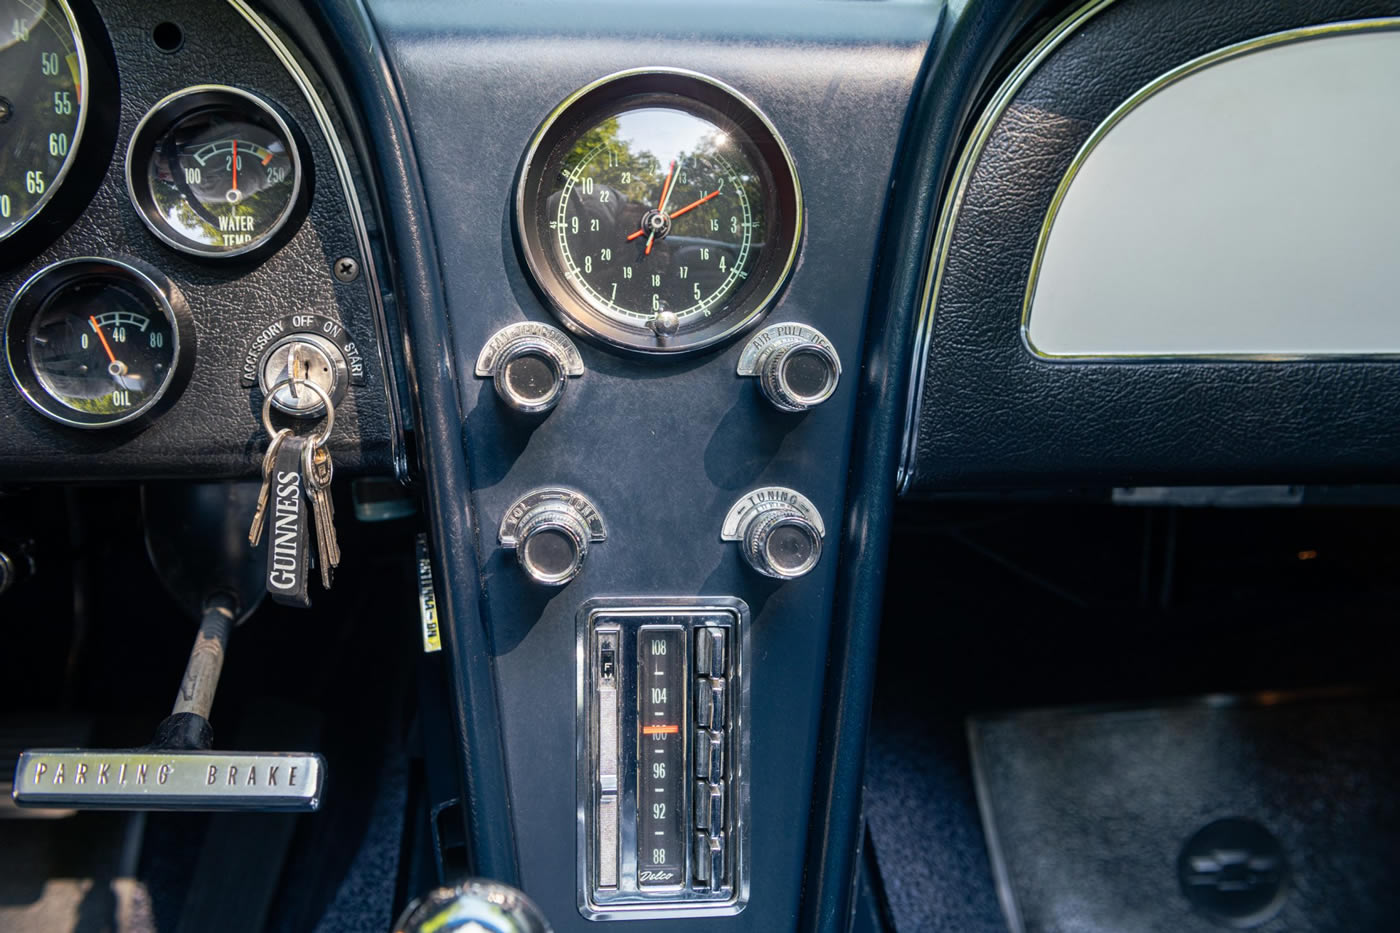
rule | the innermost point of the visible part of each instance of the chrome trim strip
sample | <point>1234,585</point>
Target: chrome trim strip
<point>1139,97</point>
<point>357,222</point>
<point>938,255</point>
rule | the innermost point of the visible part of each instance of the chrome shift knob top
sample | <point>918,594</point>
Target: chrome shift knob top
<point>476,905</point>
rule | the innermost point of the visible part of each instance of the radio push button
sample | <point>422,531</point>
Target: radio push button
<point>709,651</point>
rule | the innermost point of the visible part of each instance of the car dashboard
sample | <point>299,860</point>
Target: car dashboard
<point>577,362</point>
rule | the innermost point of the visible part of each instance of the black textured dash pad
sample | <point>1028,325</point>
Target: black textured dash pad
<point>1088,813</point>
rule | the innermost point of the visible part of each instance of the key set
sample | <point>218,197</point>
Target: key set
<point>296,480</point>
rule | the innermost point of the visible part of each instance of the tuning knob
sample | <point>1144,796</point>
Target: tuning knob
<point>473,905</point>
<point>779,530</point>
<point>550,531</point>
<point>796,366</point>
<point>530,364</point>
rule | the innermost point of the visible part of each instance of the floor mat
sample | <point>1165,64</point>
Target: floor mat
<point>1269,813</point>
<point>922,814</point>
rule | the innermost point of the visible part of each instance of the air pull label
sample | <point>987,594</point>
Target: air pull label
<point>287,531</point>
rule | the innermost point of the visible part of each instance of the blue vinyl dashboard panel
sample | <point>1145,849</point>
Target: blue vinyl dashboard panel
<point>662,447</point>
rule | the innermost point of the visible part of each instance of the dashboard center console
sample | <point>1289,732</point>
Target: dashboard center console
<point>658,313</point>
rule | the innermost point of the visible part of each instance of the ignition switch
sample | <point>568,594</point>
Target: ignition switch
<point>305,346</point>
<point>303,356</point>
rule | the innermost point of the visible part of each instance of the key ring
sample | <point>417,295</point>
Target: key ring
<point>320,392</point>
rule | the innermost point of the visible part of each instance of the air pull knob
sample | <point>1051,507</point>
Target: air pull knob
<point>550,531</point>
<point>796,366</point>
<point>779,532</point>
<point>530,364</point>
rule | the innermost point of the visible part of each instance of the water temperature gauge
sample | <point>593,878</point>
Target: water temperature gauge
<point>217,171</point>
<point>94,343</point>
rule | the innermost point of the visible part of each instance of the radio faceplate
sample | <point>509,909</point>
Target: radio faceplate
<point>662,744</point>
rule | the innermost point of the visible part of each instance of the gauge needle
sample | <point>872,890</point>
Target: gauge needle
<point>117,368</point>
<point>235,165</point>
<point>674,214</point>
<point>661,208</point>
<point>694,204</point>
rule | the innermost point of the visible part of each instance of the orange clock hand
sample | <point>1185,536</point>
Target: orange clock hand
<point>665,196</point>
<point>694,204</point>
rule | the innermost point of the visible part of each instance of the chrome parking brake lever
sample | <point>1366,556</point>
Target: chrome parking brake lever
<point>179,770</point>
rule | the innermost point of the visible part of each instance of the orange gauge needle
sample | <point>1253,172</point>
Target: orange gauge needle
<point>694,204</point>
<point>666,188</point>
<point>235,165</point>
<point>103,337</point>
<point>661,208</point>
<point>676,213</point>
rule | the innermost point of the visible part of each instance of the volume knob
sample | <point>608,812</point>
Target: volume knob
<point>530,365</point>
<point>779,530</point>
<point>550,531</point>
<point>796,366</point>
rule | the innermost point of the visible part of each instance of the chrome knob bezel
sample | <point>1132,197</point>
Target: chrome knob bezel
<point>768,354</point>
<point>522,348</point>
<point>525,339</point>
<point>754,518</point>
<point>554,509</point>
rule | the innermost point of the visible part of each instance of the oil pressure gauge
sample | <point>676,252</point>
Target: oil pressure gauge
<point>217,171</point>
<point>95,343</point>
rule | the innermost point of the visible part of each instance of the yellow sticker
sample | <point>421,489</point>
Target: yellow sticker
<point>427,600</point>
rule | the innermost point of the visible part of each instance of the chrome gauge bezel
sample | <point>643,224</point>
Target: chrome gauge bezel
<point>693,93</point>
<point>90,150</point>
<point>75,146</point>
<point>187,102</point>
<point>34,295</point>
